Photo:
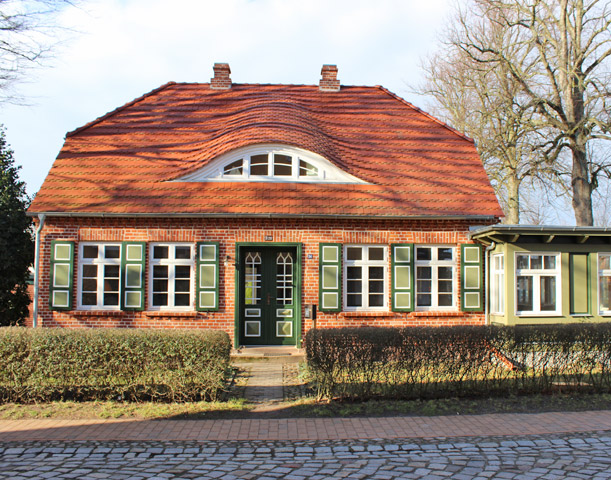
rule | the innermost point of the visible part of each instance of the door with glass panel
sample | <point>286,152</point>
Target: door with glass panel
<point>268,296</point>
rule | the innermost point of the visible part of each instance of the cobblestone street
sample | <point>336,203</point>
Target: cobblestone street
<point>575,456</point>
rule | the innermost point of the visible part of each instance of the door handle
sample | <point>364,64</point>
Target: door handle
<point>269,296</point>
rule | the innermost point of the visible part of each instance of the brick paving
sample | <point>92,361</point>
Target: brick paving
<point>307,429</point>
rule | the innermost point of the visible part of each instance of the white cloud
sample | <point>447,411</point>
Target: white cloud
<point>124,48</point>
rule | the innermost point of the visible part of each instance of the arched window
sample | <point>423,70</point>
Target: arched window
<point>271,163</point>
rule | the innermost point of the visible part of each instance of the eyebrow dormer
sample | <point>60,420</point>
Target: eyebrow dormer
<point>270,163</point>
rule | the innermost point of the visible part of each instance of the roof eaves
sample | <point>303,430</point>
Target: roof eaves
<point>542,230</point>
<point>117,110</point>
<point>481,218</point>
<point>428,115</point>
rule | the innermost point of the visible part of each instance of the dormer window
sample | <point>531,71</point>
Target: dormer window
<point>274,165</point>
<point>271,163</point>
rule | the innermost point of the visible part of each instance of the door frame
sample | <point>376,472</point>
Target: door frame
<point>239,249</point>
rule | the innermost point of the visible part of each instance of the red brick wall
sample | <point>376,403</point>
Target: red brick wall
<point>227,231</point>
<point>29,321</point>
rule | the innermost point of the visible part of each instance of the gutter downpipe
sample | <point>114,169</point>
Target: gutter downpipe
<point>489,248</point>
<point>41,223</point>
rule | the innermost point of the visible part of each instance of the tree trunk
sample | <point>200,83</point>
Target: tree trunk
<point>512,215</point>
<point>582,188</point>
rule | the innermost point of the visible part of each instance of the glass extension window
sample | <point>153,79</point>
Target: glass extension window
<point>171,276</point>
<point>537,284</point>
<point>99,276</point>
<point>365,274</point>
<point>497,284</point>
<point>435,273</point>
<point>604,283</point>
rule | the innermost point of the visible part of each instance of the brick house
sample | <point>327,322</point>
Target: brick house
<point>242,206</point>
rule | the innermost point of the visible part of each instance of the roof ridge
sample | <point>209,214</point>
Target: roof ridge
<point>117,110</point>
<point>428,115</point>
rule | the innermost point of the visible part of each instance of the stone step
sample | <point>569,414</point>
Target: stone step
<point>281,354</point>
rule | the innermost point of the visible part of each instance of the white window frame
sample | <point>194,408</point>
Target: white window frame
<point>537,274</point>
<point>364,262</point>
<point>214,171</point>
<point>171,262</point>
<point>602,273</point>
<point>434,263</point>
<point>100,261</point>
<point>497,284</point>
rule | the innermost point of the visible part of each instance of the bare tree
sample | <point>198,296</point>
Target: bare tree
<point>560,59</point>
<point>27,37</point>
<point>485,102</point>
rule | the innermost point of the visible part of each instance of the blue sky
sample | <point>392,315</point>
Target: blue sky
<point>119,49</point>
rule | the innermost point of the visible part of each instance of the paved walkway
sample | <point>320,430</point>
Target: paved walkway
<point>265,385</point>
<point>307,429</point>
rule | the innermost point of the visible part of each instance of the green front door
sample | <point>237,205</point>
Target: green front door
<point>268,296</point>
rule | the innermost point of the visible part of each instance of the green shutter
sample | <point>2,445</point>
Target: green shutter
<point>62,270</point>
<point>133,264</point>
<point>402,275</point>
<point>472,278</point>
<point>330,277</point>
<point>207,277</point>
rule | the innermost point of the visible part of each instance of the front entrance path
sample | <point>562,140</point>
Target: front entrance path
<point>265,384</point>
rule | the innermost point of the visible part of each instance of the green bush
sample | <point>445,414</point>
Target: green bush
<point>103,364</point>
<point>466,361</point>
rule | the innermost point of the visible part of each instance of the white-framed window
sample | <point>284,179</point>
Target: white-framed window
<point>365,277</point>
<point>99,276</point>
<point>271,163</point>
<point>538,284</point>
<point>171,276</point>
<point>435,277</point>
<point>604,283</point>
<point>497,284</point>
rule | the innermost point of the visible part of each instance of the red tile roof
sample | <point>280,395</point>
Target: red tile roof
<point>122,162</point>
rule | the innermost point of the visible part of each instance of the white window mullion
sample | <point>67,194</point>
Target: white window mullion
<point>365,280</point>
<point>270,164</point>
<point>101,269</point>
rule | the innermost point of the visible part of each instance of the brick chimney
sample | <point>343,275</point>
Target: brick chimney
<point>221,80</point>
<point>329,81</point>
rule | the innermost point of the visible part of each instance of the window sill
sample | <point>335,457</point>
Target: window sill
<point>539,315</point>
<point>368,314</point>
<point>98,313</point>
<point>155,313</point>
<point>439,313</point>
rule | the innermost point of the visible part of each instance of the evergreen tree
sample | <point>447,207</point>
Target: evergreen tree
<point>16,243</point>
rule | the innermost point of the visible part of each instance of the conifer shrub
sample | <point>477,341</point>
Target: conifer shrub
<point>50,364</point>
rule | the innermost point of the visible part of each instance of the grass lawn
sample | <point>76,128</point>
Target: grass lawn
<point>109,409</point>
<point>307,407</point>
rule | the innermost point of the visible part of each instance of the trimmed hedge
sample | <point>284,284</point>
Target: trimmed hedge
<point>101,364</point>
<point>438,362</point>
